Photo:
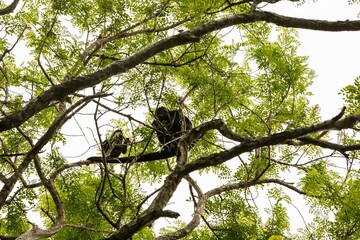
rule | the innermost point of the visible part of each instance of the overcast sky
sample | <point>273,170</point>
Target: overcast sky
<point>333,55</point>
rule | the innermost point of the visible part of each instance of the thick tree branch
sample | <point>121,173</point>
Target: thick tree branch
<point>10,8</point>
<point>247,144</point>
<point>126,231</point>
<point>49,185</point>
<point>55,126</point>
<point>274,139</point>
<point>61,91</point>
<point>228,187</point>
<point>324,144</point>
<point>200,206</point>
<point>311,24</point>
<point>2,237</point>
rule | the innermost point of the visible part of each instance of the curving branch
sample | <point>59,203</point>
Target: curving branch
<point>247,184</point>
<point>182,168</point>
<point>13,46</point>
<point>10,8</point>
<point>216,191</point>
<point>325,144</point>
<point>61,91</point>
<point>55,126</point>
<point>247,143</point>
<point>278,138</point>
<point>49,185</point>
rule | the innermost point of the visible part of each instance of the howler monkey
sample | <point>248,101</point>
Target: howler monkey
<point>115,145</point>
<point>168,126</point>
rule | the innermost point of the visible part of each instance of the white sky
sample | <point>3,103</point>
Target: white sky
<point>333,55</point>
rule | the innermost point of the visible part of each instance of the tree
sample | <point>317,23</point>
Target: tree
<point>95,66</point>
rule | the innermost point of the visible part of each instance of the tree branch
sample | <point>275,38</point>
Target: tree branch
<point>61,91</point>
<point>55,126</point>
<point>274,139</point>
<point>182,168</point>
<point>324,144</point>
<point>203,197</point>
<point>147,157</point>
<point>10,8</point>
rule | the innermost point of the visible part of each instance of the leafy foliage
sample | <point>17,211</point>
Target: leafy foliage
<point>71,72</point>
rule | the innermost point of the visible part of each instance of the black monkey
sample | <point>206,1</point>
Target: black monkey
<point>168,125</point>
<point>115,145</point>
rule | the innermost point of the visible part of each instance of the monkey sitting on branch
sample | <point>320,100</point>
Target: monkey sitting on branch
<point>169,125</point>
<point>115,145</point>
